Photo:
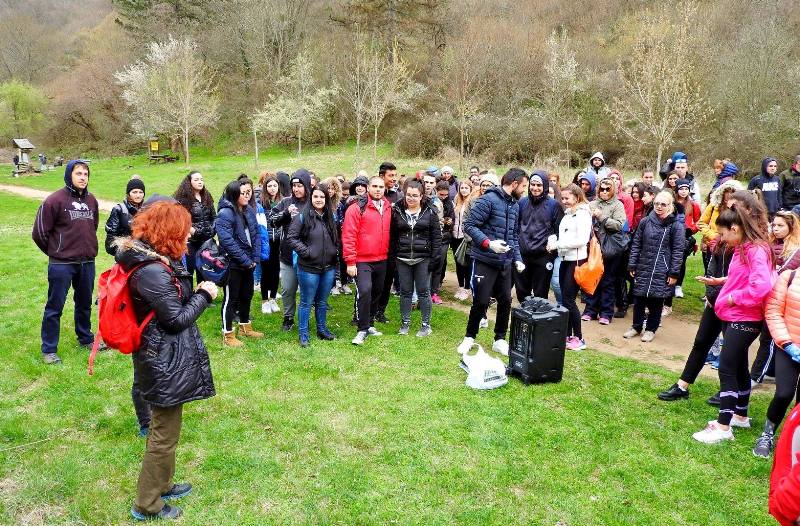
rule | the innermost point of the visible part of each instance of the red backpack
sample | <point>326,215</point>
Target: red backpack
<point>117,324</point>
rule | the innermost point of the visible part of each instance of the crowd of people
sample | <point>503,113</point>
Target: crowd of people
<point>387,233</point>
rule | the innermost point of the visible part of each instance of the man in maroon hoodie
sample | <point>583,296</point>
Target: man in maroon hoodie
<point>66,230</point>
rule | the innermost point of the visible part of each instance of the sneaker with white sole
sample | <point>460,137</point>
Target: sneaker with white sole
<point>424,331</point>
<point>648,336</point>
<point>575,344</point>
<point>484,324</point>
<point>465,345</point>
<point>275,306</point>
<point>335,290</point>
<point>266,308</point>
<point>678,291</point>
<point>500,346</point>
<point>374,332</point>
<point>361,336</point>
<point>346,289</point>
<point>666,311</point>
<point>631,333</point>
<point>745,424</point>
<point>404,327</point>
<point>712,434</point>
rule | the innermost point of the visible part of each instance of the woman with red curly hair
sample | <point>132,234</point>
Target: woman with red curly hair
<point>171,366</point>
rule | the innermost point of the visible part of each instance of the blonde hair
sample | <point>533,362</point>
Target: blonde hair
<point>792,240</point>
<point>462,201</point>
<point>333,182</point>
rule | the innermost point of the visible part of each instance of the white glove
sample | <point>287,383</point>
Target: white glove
<point>552,243</point>
<point>520,266</point>
<point>498,246</point>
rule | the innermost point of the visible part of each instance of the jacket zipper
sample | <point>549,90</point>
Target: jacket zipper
<point>653,273</point>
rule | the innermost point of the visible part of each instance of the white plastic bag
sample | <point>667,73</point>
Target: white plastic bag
<point>483,371</point>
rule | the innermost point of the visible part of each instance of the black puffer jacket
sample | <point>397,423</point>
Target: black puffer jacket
<point>172,363</point>
<point>119,224</point>
<point>657,254</point>
<point>423,240</point>
<point>316,245</point>
<point>280,217</point>
<point>202,220</point>
<point>718,266</point>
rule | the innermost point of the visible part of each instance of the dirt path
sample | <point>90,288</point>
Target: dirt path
<point>105,206</point>
<point>669,350</point>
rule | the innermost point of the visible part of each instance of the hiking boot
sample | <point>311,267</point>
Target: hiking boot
<point>246,330</point>
<point>621,313</point>
<point>374,332</point>
<point>288,324</point>
<point>381,317</point>
<point>673,393</point>
<point>177,491</point>
<point>404,327</point>
<point>229,340</point>
<point>648,336</point>
<point>304,341</point>
<point>325,334</point>
<point>167,512</point>
<point>51,358</point>
<point>630,333</point>
<point>766,441</point>
<point>424,331</point>
<point>714,400</point>
<point>361,336</point>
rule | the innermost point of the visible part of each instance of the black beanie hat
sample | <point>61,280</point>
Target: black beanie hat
<point>134,184</point>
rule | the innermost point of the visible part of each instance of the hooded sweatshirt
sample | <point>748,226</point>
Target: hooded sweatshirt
<point>728,172</point>
<point>66,223</point>
<point>597,173</point>
<point>538,219</point>
<point>280,217</point>
<point>592,178</point>
<point>770,186</point>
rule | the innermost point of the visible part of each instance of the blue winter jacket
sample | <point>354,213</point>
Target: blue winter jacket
<point>494,216</point>
<point>263,231</point>
<point>232,230</point>
<point>538,219</point>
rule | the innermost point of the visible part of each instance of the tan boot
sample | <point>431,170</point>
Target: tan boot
<point>246,330</point>
<point>229,339</point>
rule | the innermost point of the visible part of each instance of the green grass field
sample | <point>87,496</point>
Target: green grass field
<point>334,434</point>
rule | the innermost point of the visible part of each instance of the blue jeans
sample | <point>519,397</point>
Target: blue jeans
<point>554,281</point>
<point>80,276</point>
<point>314,290</point>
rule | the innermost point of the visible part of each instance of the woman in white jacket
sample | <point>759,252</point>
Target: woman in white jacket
<point>574,232</point>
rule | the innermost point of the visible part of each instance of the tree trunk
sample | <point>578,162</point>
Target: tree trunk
<point>462,125</point>
<point>375,141</point>
<point>299,141</point>
<point>186,147</point>
<point>658,158</point>
<point>255,142</point>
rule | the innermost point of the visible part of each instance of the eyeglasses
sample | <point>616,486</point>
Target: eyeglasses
<point>660,204</point>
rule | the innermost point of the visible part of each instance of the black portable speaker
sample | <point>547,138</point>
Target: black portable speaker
<point>538,340</point>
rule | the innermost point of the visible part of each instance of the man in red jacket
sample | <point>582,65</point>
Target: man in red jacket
<point>365,247</point>
<point>66,230</point>
<point>784,484</point>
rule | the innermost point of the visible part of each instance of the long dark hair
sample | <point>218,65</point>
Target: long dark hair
<point>752,231</point>
<point>309,212</point>
<point>234,189</point>
<point>413,183</point>
<point>266,201</point>
<point>752,207</point>
<point>244,179</point>
<point>185,193</point>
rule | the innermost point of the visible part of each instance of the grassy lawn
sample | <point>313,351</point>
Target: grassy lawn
<point>334,434</point>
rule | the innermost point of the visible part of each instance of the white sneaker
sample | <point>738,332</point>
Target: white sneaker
<point>737,423</point>
<point>500,346</point>
<point>666,311</point>
<point>335,291</point>
<point>630,333</point>
<point>712,434</point>
<point>372,331</point>
<point>346,289</point>
<point>360,337</point>
<point>678,292</point>
<point>266,307</point>
<point>465,345</point>
<point>484,324</point>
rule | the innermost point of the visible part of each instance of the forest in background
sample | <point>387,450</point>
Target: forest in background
<point>544,81</point>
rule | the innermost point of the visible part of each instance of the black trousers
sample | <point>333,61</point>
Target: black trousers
<point>488,282</point>
<point>535,279</point>
<point>604,298</point>
<point>707,333</point>
<point>271,272</point>
<point>569,294</point>
<point>787,372</point>
<point>623,283</point>
<point>385,288</point>
<point>734,375</point>
<point>238,294</point>
<point>462,271</point>
<point>764,362</point>
<point>440,267</point>
<point>370,280</point>
<point>653,306</point>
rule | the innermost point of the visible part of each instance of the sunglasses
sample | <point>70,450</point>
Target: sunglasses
<point>605,189</point>
<point>660,204</point>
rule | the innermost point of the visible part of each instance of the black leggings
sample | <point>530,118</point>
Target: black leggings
<point>653,306</point>
<point>765,357</point>
<point>463,273</point>
<point>707,333</point>
<point>569,291</point>
<point>787,371</point>
<point>734,373</point>
<point>271,272</point>
<point>238,295</point>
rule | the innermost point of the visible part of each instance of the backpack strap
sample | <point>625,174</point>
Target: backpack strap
<point>791,278</point>
<point>123,208</point>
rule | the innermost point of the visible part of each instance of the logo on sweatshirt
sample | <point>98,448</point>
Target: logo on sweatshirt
<point>81,211</point>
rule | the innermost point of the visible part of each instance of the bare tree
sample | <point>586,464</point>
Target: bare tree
<point>659,94</point>
<point>354,82</point>
<point>171,91</point>
<point>298,104</point>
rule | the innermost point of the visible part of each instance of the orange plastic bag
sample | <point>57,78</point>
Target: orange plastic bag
<point>588,275</point>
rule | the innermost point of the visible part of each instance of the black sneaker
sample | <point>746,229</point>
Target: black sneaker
<point>764,445</point>
<point>177,491</point>
<point>714,400</point>
<point>288,324</point>
<point>620,314</point>
<point>167,512</point>
<point>673,393</point>
<point>325,335</point>
<point>381,317</point>
<point>51,358</point>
